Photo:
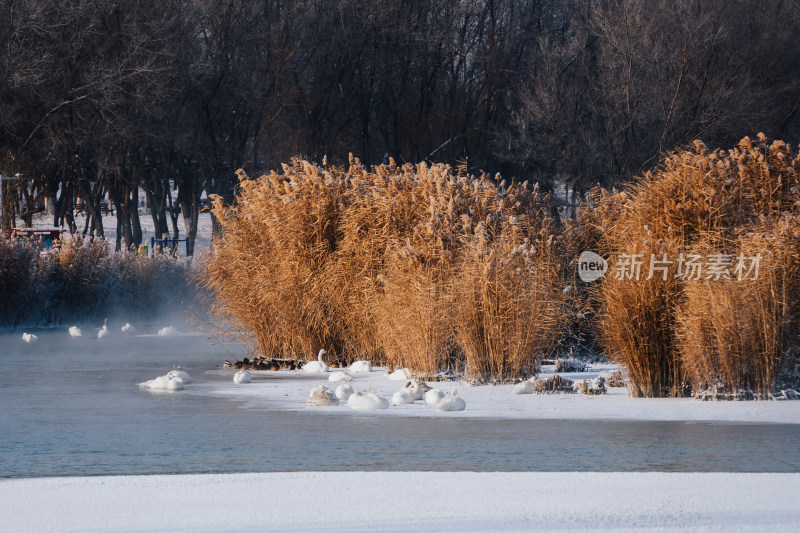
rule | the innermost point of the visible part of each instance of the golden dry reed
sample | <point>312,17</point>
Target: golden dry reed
<point>413,266</point>
<point>727,336</point>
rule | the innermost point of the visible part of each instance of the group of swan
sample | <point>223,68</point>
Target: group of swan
<point>319,367</point>
<point>75,332</point>
<point>411,392</point>
<point>172,380</point>
<point>127,329</point>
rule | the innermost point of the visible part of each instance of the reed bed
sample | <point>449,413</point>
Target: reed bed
<point>416,266</point>
<point>723,333</point>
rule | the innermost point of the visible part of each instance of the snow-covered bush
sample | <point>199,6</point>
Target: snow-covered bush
<point>82,280</point>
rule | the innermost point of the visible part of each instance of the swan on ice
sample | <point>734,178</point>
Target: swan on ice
<point>319,365</point>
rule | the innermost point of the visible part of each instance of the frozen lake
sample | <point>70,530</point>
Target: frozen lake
<point>73,407</point>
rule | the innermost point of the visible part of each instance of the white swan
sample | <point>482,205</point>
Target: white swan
<point>168,331</point>
<point>181,375</point>
<point>75,332</point>
<point>361,366</point>
<point>164,383</point>
<point>452,403</point>
<point>402,397</point>
<point>127,329</point>
<point>317,366</point>
<point>242,376</point>
<point>525,387</point>
<point>434,396</point>
<point>322,396</point>
<point>29,337</point>
<point>340,376</point>
<point>366,402</point>
<point>104,330</point>
<point>344,391</point>
<point>401,374</point>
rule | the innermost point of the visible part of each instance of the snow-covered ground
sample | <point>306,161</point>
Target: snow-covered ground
<point>288,390</point>
<point>404,501</point>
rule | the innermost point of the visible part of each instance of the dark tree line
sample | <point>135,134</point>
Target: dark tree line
<point>104,100</point>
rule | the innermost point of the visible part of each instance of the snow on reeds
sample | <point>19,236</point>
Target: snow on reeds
<point>415,266</point>
<point>683,334</point>
<point>82,280</point>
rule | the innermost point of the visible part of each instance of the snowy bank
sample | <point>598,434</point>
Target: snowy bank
<point>286,390</point>
<point>382,501</point>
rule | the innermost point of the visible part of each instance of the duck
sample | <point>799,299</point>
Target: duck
<point>319,365</point>
<point>242,376</point>
<point>366,402</point>
<point>452,403</point>
<point>75,332</point>
<point>344,391</point>
<point>361,366</point>
<point>226,364</point>
<point>104,330</point>
<point>340,375</point>
<point>524,387</point>
<point>401,374</point>
<point>321,396</point>
<point>434,396</point>
<point>29,337</point>
<point>127,329</point>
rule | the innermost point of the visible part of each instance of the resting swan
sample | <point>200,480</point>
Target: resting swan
<point>340,375</point>
<point>366,402</point>
<point>525,387</point>
<point>321,396</point>
<point>242,376</point>
<point>452,403</point>
<point>344,391</point>
<point>319,365</point>
<point>75,332</point>
<point>29,337</point>
<point>434,396</point>
<point>361,366</point>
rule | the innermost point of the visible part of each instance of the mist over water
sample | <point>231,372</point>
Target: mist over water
<point>73,407</point>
